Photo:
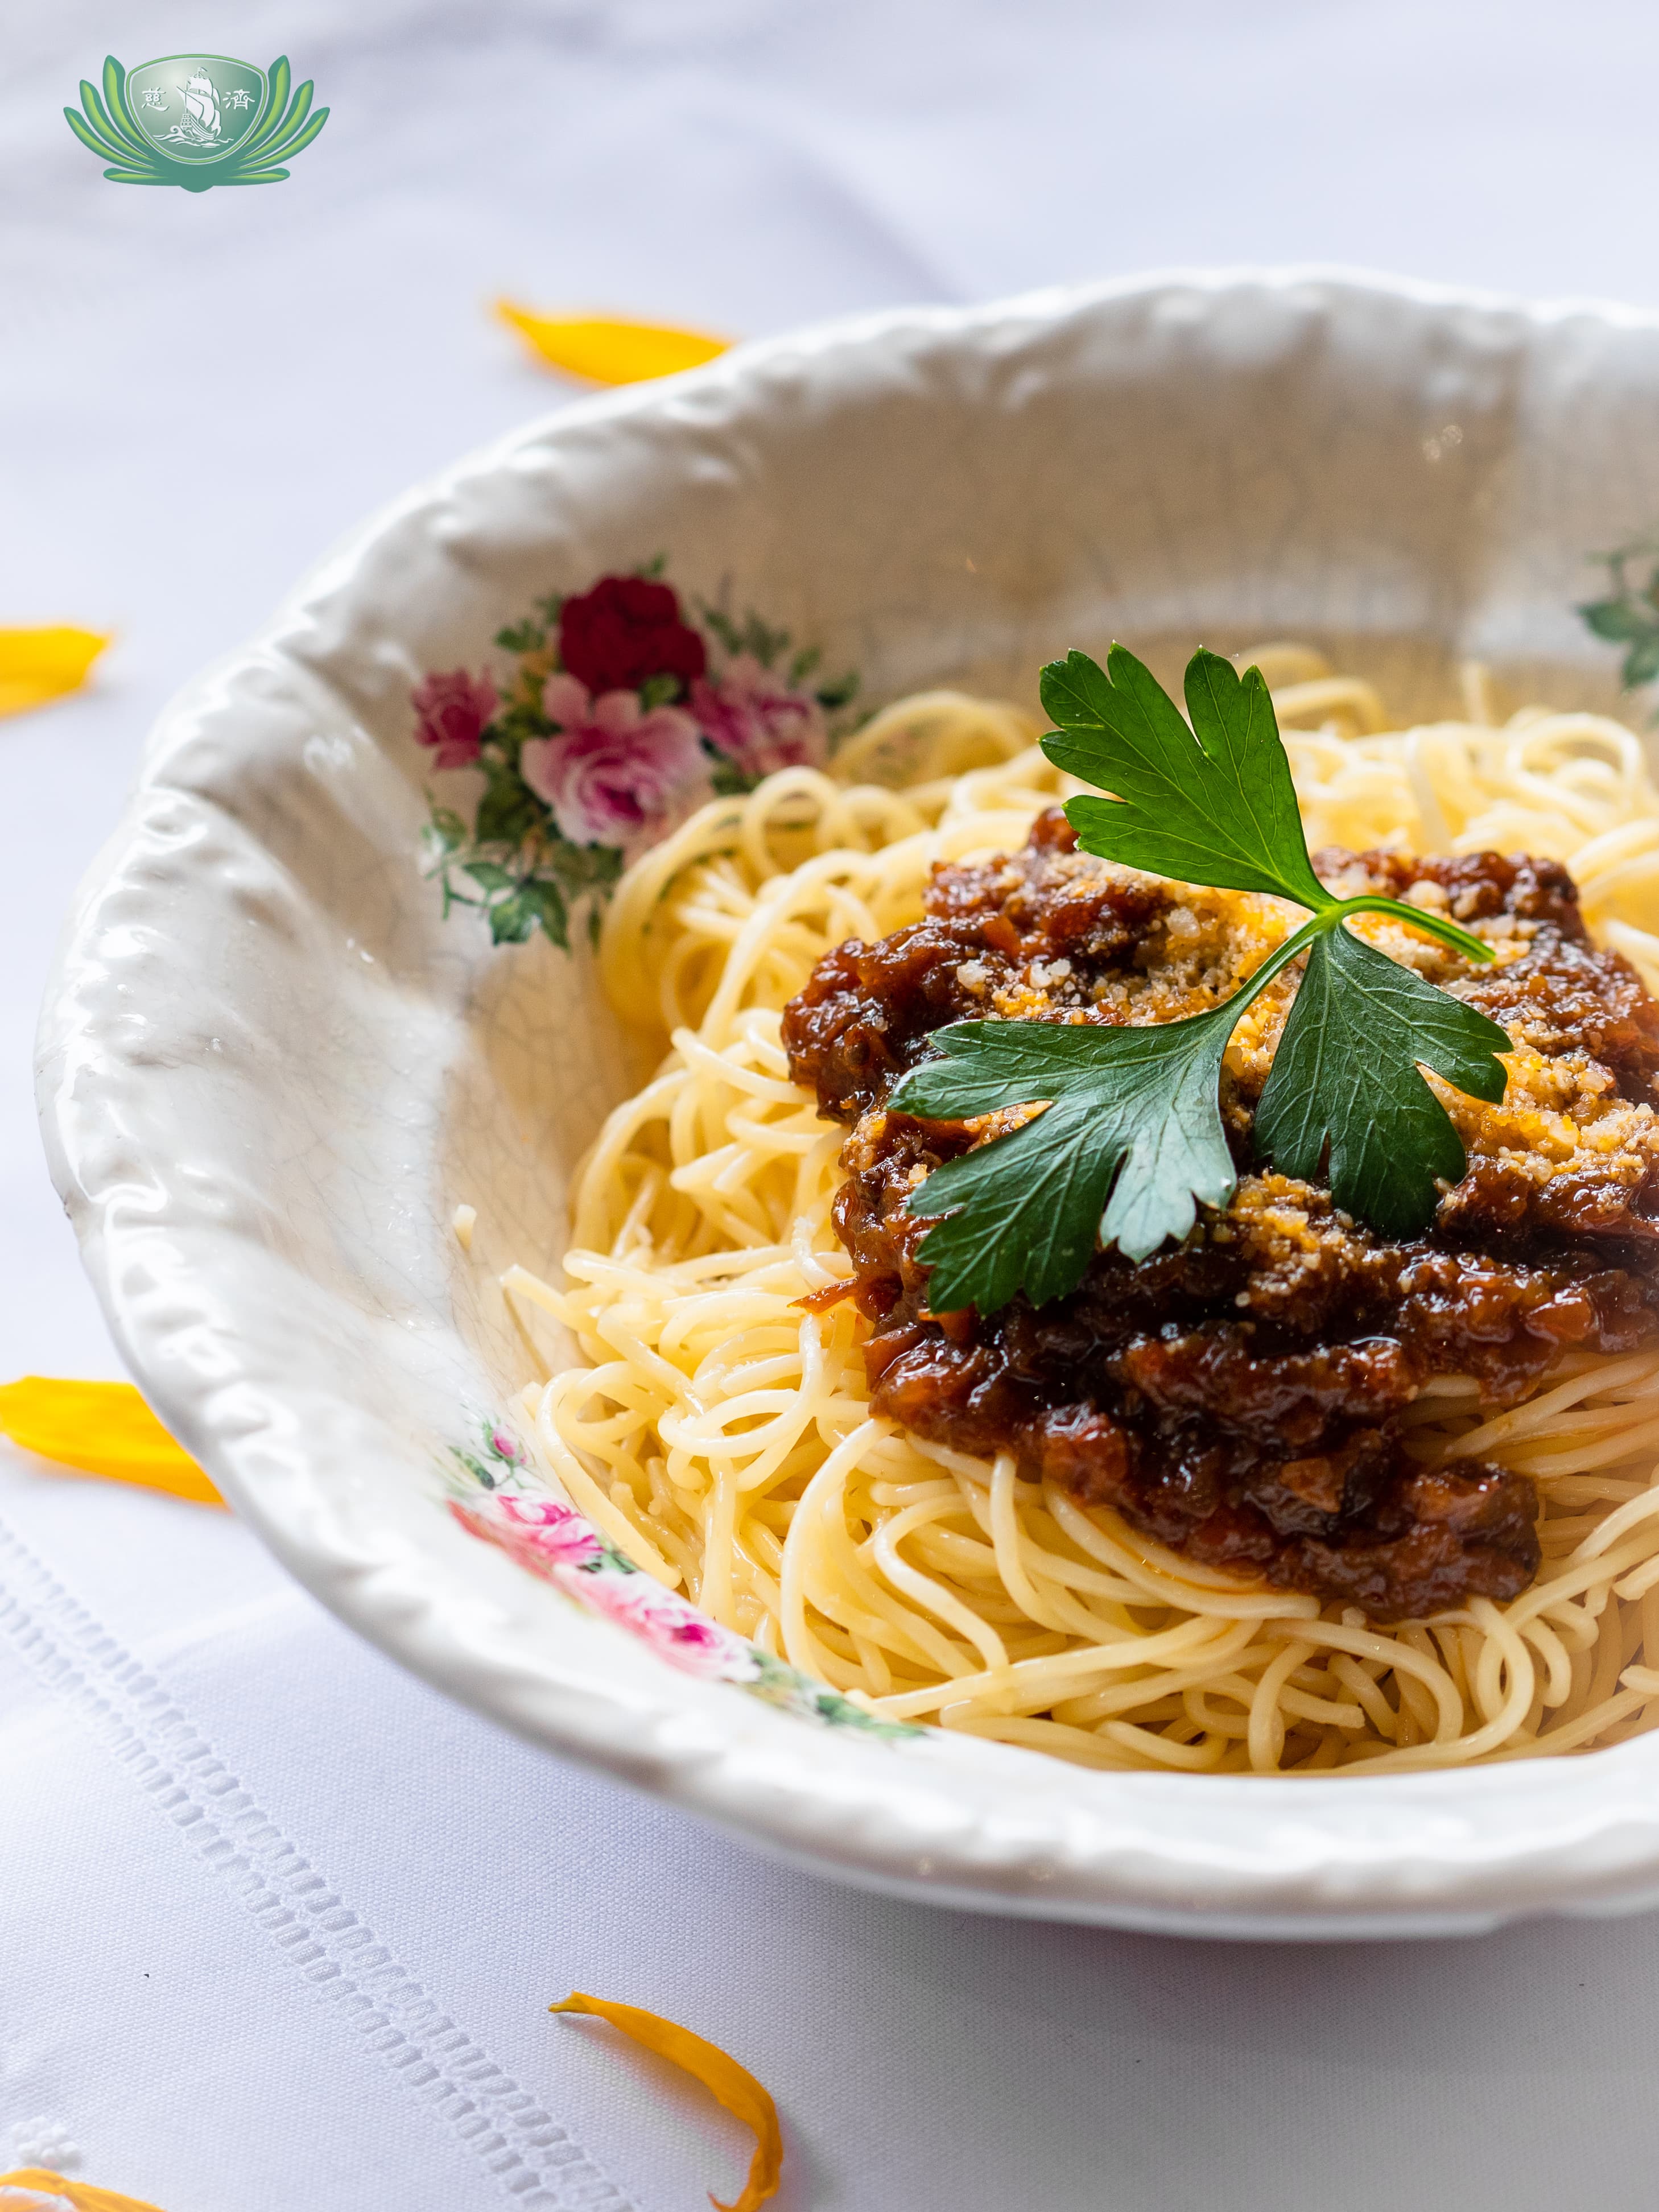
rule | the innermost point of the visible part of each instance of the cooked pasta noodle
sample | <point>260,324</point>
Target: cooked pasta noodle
<point>722,1431</point>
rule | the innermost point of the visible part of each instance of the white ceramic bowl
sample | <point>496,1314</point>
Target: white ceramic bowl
<point>268,1071</point>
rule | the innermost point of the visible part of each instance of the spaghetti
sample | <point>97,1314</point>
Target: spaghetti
<point>722,1433</point>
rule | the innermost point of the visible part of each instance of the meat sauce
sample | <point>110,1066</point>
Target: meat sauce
<point>1239,1397</point>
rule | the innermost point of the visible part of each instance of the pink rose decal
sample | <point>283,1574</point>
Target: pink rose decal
<point>613,770</point>
<point>672,1627</point>
<point>455,711</point>
<point>756,721</point>
<point>542,1534</point>
<point>555,1543</point>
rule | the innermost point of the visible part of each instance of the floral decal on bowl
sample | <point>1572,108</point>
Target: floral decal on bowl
<point>1629,615</point>
<point>619,717</point>
<point>494,1494</point>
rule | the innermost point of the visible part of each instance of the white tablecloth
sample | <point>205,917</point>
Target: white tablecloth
<point>278,1925</point>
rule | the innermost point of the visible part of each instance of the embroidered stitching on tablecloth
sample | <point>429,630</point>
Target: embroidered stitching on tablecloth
<point>538,2164</point>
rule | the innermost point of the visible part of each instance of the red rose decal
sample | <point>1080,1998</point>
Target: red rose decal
<point>625,630</point>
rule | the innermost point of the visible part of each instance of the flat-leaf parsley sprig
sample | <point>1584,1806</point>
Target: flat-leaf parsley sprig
<point>1130,1140</point>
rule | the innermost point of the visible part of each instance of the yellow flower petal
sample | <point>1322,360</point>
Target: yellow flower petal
<point>102,1428</point>
<point>731,2085</point>
<point>609,352</point>
<point>38,664</point>
<point>79,2194</point>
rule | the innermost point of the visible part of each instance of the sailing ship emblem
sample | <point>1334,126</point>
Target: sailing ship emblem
<point>196,119</point>
<point>200,126</point>
<point>168,121</point>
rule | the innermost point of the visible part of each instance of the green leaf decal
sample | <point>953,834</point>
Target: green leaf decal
<point>1616,620</point>
<point>510,922</point>
<point>545,903</point>
<point>507,813</point>
<point>1630,615</point>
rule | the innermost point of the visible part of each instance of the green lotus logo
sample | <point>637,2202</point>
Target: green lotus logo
<point>196,120</point>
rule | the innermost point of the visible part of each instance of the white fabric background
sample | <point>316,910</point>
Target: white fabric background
<point>277,1925</point>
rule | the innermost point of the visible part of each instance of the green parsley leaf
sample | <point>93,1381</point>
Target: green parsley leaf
<point>1218,807</point>
<point>1346,1072</point>
<point>1023,1211</point>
